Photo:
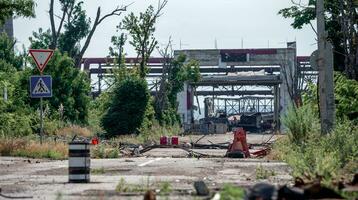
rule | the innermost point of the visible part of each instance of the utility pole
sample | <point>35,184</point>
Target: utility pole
<point>325,73</point>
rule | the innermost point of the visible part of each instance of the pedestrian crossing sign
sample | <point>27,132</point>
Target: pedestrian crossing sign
<point>40,86</point>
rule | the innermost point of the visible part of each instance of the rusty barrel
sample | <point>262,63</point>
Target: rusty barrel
<point>79,162</point>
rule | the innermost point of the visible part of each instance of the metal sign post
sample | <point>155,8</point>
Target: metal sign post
<point>41,121</point>
<point>41,86</point>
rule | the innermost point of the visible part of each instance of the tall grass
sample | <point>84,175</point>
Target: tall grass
<point>311,154</point>
<point>301,124</point>
<point>33,149</point>
<point>71,130</point>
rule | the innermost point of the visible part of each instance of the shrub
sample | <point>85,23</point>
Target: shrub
<point>15,124</point>
<point>128,107</point>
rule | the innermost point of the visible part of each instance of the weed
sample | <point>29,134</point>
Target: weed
<point>262,173</point>
<point>98,171</point>
<point>165,188</point>
<point>123,187</point>
<point>113,153</point>
<point>231,192</point>
<point>104,151</point>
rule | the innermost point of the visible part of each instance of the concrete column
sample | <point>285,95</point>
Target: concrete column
<point>276,116</point>
<point>288,74</point>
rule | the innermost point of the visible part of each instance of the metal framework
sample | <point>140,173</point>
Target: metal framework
<point>244,105</point>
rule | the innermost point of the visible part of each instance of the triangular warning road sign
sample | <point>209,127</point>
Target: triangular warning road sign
<point>41,88</point>
<point>41,57</point>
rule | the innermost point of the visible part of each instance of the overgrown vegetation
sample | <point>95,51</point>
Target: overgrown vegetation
<point>128,96</point>
<point>126,108</point>
<point>27,147</point>
<point>313,155</point>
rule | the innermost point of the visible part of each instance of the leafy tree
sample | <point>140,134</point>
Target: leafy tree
<point>16,8</point>
<point>141,28</point>
<point>178,71</point>
<point>74,26</point>
<point>341,20</point>
<point>128,107</point>
<point>118,43</point>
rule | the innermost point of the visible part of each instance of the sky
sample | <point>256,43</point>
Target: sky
<point>196,24</point>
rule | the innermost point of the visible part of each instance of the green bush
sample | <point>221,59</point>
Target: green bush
<point>345,94</point>
<point>128,107</point>
<point>15,124</point>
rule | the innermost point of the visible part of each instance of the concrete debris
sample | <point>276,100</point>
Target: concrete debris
<point>201,188</point>
<point>300,191</point>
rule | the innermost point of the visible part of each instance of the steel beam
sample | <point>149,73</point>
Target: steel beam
<point>234,92</point>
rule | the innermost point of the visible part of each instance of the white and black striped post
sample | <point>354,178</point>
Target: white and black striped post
<point>79,162</point>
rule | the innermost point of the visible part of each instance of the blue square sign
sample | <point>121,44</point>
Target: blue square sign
<point>40,86</point>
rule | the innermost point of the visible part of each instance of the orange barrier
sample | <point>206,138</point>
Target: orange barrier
<point>240,143</point>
